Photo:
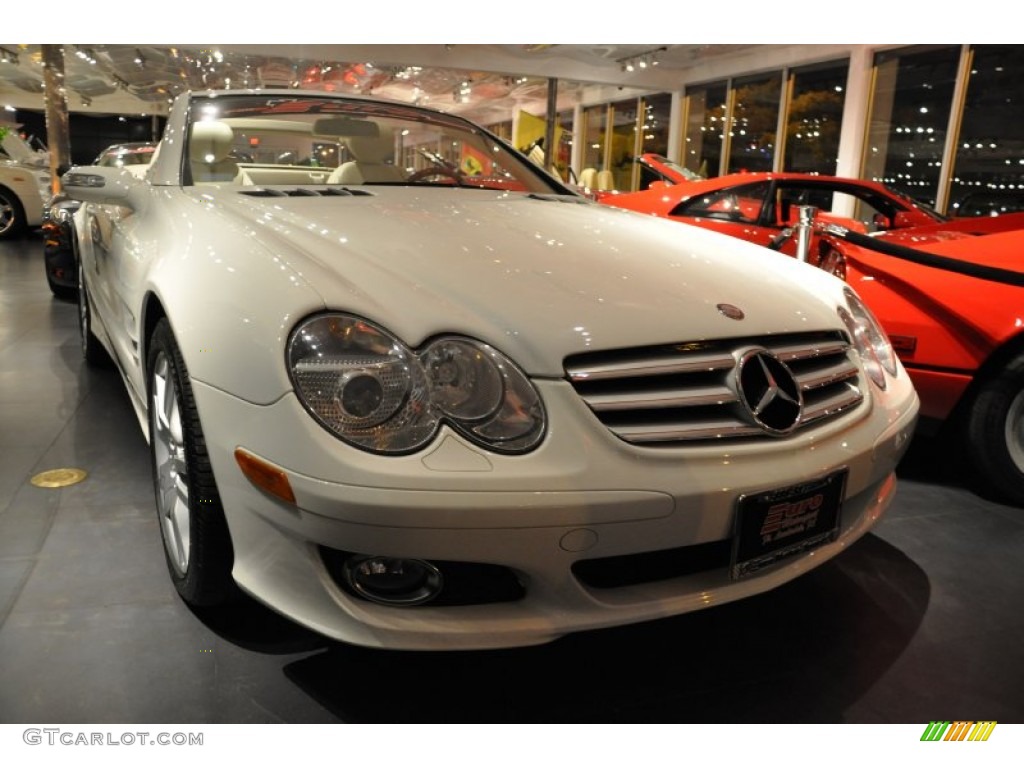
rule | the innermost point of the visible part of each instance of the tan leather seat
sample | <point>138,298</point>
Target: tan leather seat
<point>588,178</point>
<point>209,148</point>
<point>605,181</point>
<point>368,167</point>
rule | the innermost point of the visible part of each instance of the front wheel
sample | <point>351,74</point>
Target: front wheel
<point>12,215</point>
<point>195,535</point>
<point>995,433</point>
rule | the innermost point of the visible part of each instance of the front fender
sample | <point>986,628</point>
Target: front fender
<point>231,302</point>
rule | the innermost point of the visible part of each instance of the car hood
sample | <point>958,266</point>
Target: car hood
<point>538,278</point>
<point>990,241</point>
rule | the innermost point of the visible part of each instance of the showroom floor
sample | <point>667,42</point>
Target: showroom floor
<point>920,621</point>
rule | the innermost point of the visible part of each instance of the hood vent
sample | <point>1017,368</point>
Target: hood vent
<point>559,198</point>
<point>305,192</point>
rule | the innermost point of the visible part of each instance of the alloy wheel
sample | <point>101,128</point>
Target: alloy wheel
<point>171,465</point>
<point>8,215</point>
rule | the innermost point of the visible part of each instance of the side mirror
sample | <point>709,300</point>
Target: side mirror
<point>107,186</point>
<point>902,219</point>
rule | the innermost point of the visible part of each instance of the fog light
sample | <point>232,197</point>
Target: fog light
<point>393,580</point>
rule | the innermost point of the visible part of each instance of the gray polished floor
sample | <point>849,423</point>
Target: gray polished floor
<point>919,621</point>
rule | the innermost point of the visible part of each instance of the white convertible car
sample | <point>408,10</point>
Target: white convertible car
<point>409,391</point>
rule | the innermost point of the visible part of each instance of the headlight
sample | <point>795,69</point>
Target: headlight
<point>369,389</point>
<point>45,190</point>
<point>868,337</point>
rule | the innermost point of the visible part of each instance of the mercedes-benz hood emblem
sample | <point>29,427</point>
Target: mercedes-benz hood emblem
<point>769,392</point>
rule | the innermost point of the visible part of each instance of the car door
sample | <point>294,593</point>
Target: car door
<point>109,269</point>
<point>738,211</point>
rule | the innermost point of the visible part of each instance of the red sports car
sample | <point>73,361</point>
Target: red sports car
<point>950,294</point>
<point>759,206</point>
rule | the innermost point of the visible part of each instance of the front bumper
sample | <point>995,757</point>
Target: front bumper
<point>582,495</point>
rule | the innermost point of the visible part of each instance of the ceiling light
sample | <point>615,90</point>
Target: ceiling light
<point>642,60</point>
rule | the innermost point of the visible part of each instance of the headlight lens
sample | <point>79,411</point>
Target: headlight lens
<point>45,190</point>
<point>868,337</point>
<point>369,389</point>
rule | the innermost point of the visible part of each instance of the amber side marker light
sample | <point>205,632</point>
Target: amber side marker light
<point>265,476</point>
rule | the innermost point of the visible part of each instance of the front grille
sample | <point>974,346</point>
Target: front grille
<point>689,392</point>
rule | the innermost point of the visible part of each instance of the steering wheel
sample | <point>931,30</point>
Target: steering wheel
<point>435,170</point>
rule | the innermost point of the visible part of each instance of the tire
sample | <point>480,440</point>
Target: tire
<point>12,215</point>
<point>994,429</point>
<point>93,353</point>
<point>63,292</point>
<point>197,545</point>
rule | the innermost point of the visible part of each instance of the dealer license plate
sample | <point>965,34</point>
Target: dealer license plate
<point>777,524</point>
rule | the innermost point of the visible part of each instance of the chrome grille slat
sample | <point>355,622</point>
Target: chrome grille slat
<point>668,398</point>
<point>660,433</point>
<point>657,366</point>
<point>792,352</point>
<point>821,377</point>
<point>833,405</point>
<point>686,393</point>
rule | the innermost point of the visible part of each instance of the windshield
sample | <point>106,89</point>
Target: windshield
<point>669,171</point>
<point>126,154</point>
<point>914,203</point>
<point>269,140</point>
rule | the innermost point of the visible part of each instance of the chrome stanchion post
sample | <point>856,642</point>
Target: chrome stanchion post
<point>803,230</point>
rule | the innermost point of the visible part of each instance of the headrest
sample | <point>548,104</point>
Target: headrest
<point>211,141</point>
<point>372,149</point>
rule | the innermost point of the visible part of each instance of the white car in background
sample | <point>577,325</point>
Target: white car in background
<point>24,184</point>
<point>413,407</point>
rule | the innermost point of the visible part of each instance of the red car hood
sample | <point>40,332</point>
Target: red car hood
<point>992,241</point>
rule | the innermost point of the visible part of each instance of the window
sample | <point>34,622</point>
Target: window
<point>910,111</point>
<point>656,112</point>
<point>815,118</point>
<point>755,120</point>
<point>848,205</point>
<point>739,204</point>
<point>705,129</point>
<point>594,121</point>
<point>623,143</point>
<point>988,172</point>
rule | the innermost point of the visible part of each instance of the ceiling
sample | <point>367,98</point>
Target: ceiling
<point>483,82</point>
